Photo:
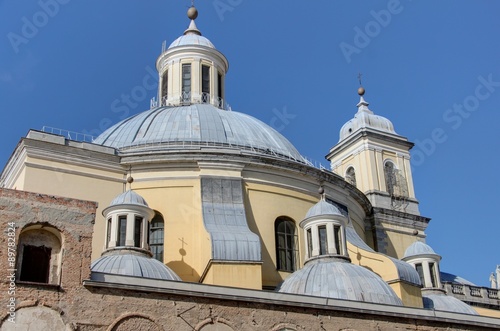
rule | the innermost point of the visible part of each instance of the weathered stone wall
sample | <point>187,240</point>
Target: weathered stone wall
<point>96,308</point>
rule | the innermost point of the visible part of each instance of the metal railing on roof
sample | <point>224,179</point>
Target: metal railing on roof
<point>70,135</point>
<point>186,145</point>
<point>189,98</point>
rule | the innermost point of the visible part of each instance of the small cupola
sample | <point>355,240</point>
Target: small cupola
<point>324,229</point>
<point>191,70</point>
<point>365,119</point>
<point>423,258</point>
<point>126,250</point>
<point>127,222</point>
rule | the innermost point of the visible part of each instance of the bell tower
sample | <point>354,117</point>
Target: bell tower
<point>373,157</point>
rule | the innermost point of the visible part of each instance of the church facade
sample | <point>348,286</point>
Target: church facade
<point>191,216</point>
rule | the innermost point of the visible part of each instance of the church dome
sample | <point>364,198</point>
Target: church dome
<point>195,126</point>
<point>338,279</point>
<point>443,302</point>
<point>418,248</point>
<point>364,119</point>
<point>191,39</point>
<point>133,265</point>
<point>129,198</point>
<point>323,208</point>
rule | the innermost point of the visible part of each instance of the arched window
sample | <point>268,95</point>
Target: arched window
<point>350,176</point>
<point>164,89</point>
<point>390,178</point>
<point>122,230</point>
<point>39,255</point>
<point>186,82</point>
<point>286,244</point>
<point>156,236</point>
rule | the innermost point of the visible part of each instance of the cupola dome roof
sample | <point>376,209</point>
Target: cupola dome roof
<point>443,302</point>
<point>192,36</point>
<point>418,248</point>
<point>366,119</point>
<point>191,39</point>
<point>133,265</point>
<point>338,279</point>
<point>323,208</point>
<point>195,126</point>
<point>129,198</point>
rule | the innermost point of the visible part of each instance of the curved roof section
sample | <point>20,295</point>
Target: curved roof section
<point>339,279</point>
<point>198,125</point>
<point>405,271</point>
<point>129,198</point>
<point>191,39</point>
<point>444,302</point>
<point>323,208</point>
<point>365,118</point>
<point>447,277</point>
<point>418,248</point>
<point>133,265</point>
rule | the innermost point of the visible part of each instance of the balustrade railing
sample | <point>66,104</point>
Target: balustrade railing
<point>187,98</point>
<point>478,296</point>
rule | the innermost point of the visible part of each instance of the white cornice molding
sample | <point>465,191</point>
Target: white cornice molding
<point>69,158</point>
<point>14,167</point>
<point>221,166</point>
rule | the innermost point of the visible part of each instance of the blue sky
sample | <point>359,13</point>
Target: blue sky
<point>430,66</point>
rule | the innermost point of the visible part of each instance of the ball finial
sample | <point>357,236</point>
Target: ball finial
<point>130,179</point>
<point>192,13</point>
<point>321,190</point>
<point>415,232</point>
<point>361,90</point>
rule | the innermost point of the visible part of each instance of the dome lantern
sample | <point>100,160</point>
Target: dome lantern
<point>423,258</point>
<point>324,230</point>
<point>191,70</point>
<point>127,220</point>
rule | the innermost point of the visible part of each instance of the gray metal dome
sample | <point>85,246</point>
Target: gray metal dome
<point>365,118</point>
<point>323,208</point>
<point>191,39</point>
<point>418,248</point>
<point>451,278</point>
<point>339,279</point>
<point>440,301</point>
<point>192,126</point>
<point>129,198</point>
<point>133,265</point>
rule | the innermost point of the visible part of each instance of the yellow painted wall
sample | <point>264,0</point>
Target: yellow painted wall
<point>398,242</point>
<point>79,187</point>
<point>245,275</point>
<point>487,312</point>
<point>386,269</point>
<point>187,247</point>
<point>264,205</point>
